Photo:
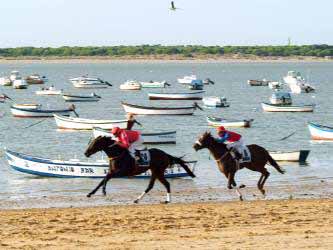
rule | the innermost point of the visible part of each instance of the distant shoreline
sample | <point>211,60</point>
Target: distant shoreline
<point>163,58</point>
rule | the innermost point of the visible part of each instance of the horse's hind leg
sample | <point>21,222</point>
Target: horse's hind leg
<point>166,184</point>
<point>150,186</point>
<point>265,175</point>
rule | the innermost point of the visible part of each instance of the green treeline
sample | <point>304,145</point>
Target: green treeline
<point>184,50</point>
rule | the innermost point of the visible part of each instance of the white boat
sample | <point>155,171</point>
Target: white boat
<point>87,80</point>
<point>286,108</point>
<point>83,84</point>
<point>5,81</point>
<point>27,105</point>
<point>148,138</point>
<point>20,84</point>
<point>130,85</point>
<point>217,122</point>
<point>81,98</point>
<point>36,79</point>
<point>320,132</point>
<point>215,101</point>
<point>154,84</point>
<point>275,85</point>
<point>293,156</point>
<point>75,168</point>
<point>2,98</point>
<point>187,79</point>
<point>297,83</point>
<point>281,98</point>
<point>74,123</point>
<point>15,75</point>
<point>38,112</point>
<point>49,91</point>
<point>147,110</point>
<point>177,96</point>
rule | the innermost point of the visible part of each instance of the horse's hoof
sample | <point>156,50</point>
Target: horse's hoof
<point>89,195</point>
<point>104,193</point>
<point>136,201</point>
<point>242,186</point>
<point>241,198</point>
<point>229,187</point>
<point>165,202</point>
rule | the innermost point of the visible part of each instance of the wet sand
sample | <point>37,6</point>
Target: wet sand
<point>271,224</point>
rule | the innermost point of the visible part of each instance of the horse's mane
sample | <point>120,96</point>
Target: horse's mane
<point>209,135</point>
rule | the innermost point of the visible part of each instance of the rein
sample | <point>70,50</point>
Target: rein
<point>223,156</point>
<point>116,157</point>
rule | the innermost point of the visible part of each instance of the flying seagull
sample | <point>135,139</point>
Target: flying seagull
<point>173,6</point>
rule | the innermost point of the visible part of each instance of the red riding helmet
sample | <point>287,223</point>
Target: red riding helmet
<point>115,130</point>
<point>220,129</point>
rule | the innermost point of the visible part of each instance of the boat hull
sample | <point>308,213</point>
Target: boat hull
<point>148,138</point>
<point>90,85</point>
<point>73,98</point>
<point>291,156</point>
<point>72,123</point>
<point>72,169</point>
<point>229,123</point>
<point>143,110</point>
<point>176,96</point>
<point>320,132</point>
<point>286,108</point>
<point>35,113</point>
<point>153,84</point>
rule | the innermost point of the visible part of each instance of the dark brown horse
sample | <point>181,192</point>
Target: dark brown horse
<point>122,164</point>
<point>227,164</point>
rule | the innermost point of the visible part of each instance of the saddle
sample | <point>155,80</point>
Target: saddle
<point>142,157</point>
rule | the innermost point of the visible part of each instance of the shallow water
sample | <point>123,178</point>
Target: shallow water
<point>231,81</point>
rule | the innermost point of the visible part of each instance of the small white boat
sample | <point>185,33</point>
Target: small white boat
<point>281,98</point>
<point>320,132</point>
<point>130,85</point>
<point>15,75</point>
<point>286,108</point>
<point>20,84</point>
<point>88,80</point>
<point>38,112</point>
<point>297,83</point>
<point>293,156</point>
<point>27,105</point>
<point>154,84</point>
<point>84,84</point>
<point>275,85</point>
<point>187,79</point>
<point>217,122</point>
<point>75,168</point>
<point>5,81</point>
<point>256,83</point>
<point>215,101</point>
<point>49,91</point>
<point>81,98</point>
<point>73,123</point>
<point>36,79</point>
<point>148,138</point>
<point>176,96</point>
<point>147,110</point>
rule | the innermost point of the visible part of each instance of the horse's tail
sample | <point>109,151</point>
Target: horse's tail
<point>181,162</point>
<point>274,164</point>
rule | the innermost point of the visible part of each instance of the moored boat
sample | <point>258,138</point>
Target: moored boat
<point>5,81</point>
<point>287,108</point>
<point>256,83</point>
<point>20,84</point>
<point>81,98</point>
<point>320,132</point>
<point>196,85</point>
<point>73,123</point>
<point>130,85</point>
<point>297,83</point>
<point>83,84</point>
<point>281,98</point>
<point>216,122</point>
<point>36,79</point>
<point>168,137</point>
<point>149,110</point>
<point>154,84</point>
<point>215,101</point>
<point>275,85</point>
<point>15,75</point>
<point>74,168</point>
<point>187,79</point>
<point>27,105</point>
<point>49,91</point>
<point>293,156</point>
<point>39,112</point>
<point>176,96</point>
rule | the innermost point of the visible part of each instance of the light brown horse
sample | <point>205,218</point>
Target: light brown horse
<point>227,164</point>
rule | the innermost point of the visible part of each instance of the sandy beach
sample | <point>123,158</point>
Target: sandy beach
<point>266,224</point>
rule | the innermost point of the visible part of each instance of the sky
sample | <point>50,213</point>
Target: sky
<point>54,23</point>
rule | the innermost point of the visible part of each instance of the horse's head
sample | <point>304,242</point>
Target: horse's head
<point>98,144</point>
<point>204,141</point>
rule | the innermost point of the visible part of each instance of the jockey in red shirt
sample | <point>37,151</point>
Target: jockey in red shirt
<point>129,139</point>
<point>234,140</point>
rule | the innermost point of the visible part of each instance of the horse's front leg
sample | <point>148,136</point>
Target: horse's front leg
<point>231,180</point>
<point>106,179</point>
<point>98,186</point>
